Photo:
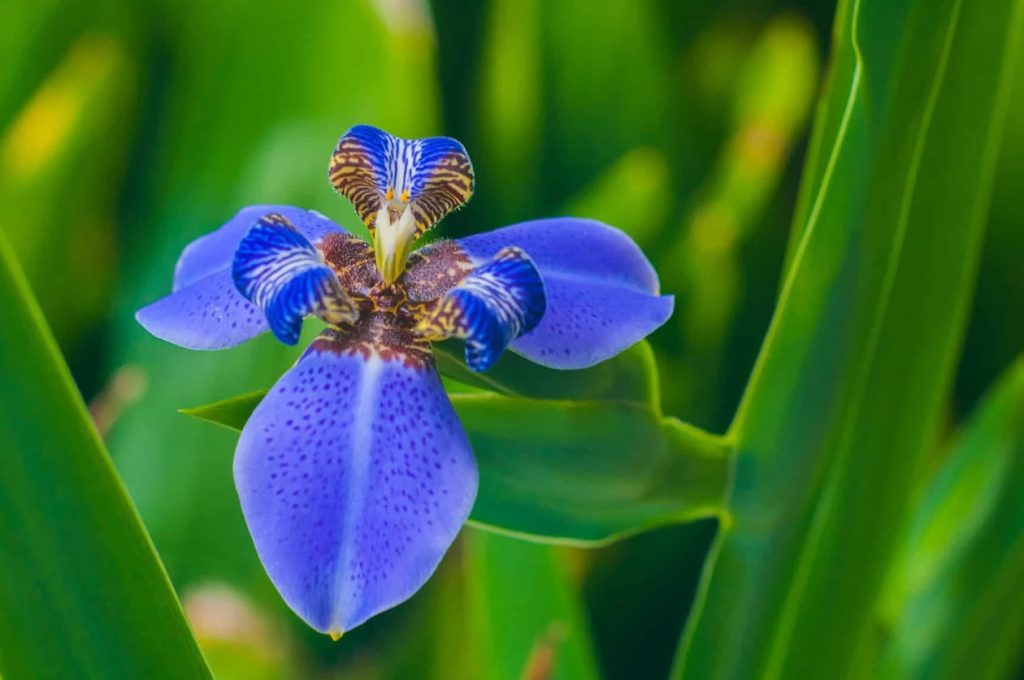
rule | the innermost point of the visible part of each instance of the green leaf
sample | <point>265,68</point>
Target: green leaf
<point>848,391</point>
<point>571,472</point>
<point>526,619</point>
<point>956,587</point>
<point>83,591</point>
<point>631,376</point>
<point>582,472</point>
<point>230,413</point>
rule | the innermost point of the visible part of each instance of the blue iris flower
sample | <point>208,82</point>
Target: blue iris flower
<point>354,473</point>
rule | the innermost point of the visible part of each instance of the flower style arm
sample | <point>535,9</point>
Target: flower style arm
<point>400,187</point>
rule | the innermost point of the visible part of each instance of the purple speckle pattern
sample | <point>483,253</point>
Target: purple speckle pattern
<point>214,251</point>
<point>208,313</point>
<point>588,322</point>
<point>602,292</point>
<point>354,476</point>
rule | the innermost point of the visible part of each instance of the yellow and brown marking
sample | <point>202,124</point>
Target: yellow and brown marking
<point>433,270</point>
<point>449,186</point>
<point>390,315</point>
<point>352,260</point>
<point>383,334</point>
<point>353,175</point>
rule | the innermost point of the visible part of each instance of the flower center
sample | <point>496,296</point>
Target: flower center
<point>394,232</point>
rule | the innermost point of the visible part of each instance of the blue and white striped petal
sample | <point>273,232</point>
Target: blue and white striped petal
<point>601,292</point>
<point>493,305</point>
<point>375,170</point>
<point>278,270</point>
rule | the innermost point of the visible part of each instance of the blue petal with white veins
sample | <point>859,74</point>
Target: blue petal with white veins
<point>205,310</point>
<point>494,304</point>
<point>373,169</point>
<point>277,269</point>
<point>216,250</point>
<point>602,292</point>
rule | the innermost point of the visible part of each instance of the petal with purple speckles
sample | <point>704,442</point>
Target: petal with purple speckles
<point>602,292</point>
<point>208,313</point>
<point>354,476</point>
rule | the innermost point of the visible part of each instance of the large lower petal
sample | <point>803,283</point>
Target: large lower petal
<point>602,292</point>
<point>354,476</point>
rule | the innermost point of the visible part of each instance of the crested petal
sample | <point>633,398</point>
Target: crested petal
<point>374,170</point>
<point>216,250</point>
<point>277,269</point>
<point>494,304</point>
<point>205,310</point>
<point>602,292</point>
<point>354,476</point>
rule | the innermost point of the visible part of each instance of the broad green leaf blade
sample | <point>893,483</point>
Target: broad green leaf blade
<point>526,618</point>
<point>630,376</point>
<point>571,472</point>
<point>588,472</point>
<point>957,587</point>
<point>848,390</point>
<point>84,594</point>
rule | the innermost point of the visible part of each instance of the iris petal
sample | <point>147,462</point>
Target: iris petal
<point>373,169</point>
<point>278,269</point>
<point>215,251</point>
<point>354,476</point>
<point>495,303</point>
<point>602,292</point>
<point>205,310</point>
<point>206,314</point>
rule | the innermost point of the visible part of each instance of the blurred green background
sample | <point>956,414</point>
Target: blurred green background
<point>130,128</point>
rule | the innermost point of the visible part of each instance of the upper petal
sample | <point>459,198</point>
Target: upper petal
<point>373,169</point>
<point>277,269</point>
<point>354,476</point>
<point>205,310</point>
<point>602,292</point>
